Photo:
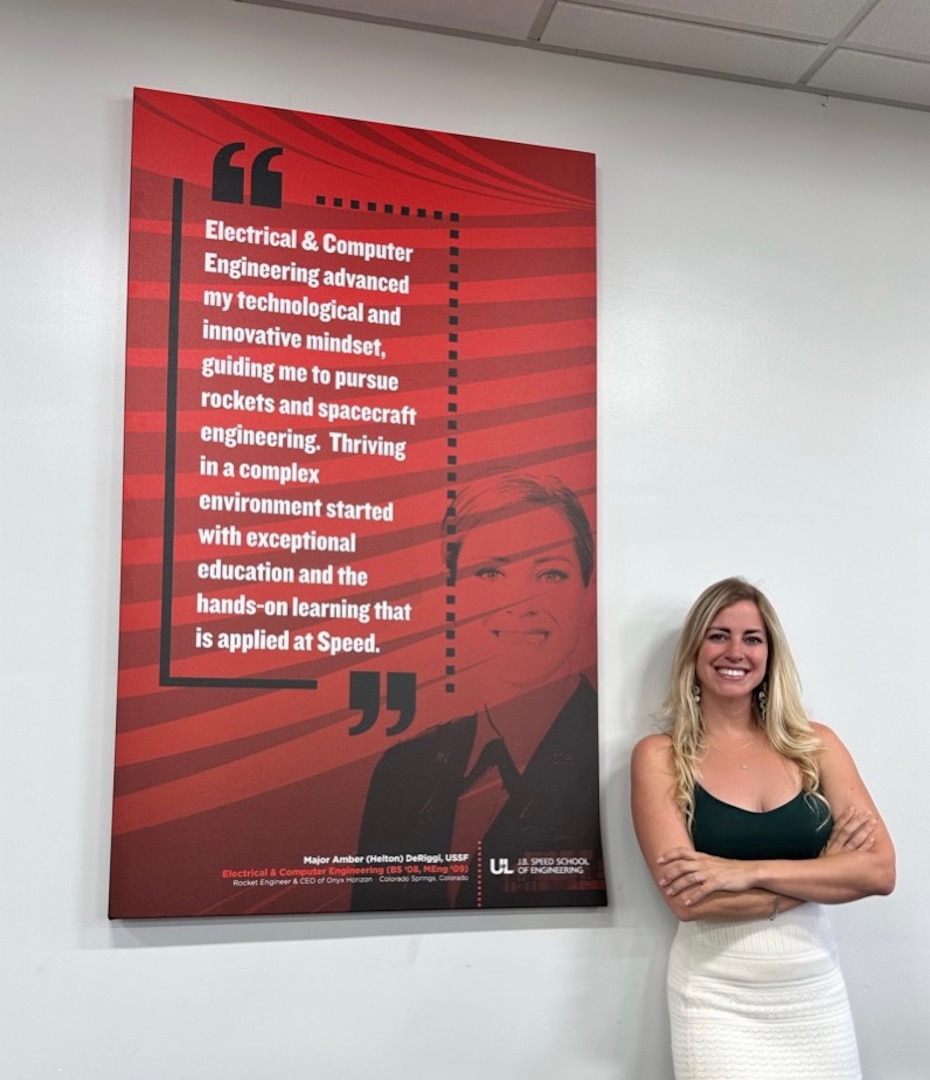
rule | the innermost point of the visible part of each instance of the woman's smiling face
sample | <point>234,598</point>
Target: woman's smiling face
<point>733,657</point>
<point>521,599</point>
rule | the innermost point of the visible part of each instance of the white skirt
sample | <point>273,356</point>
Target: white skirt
<point>760,1000</point>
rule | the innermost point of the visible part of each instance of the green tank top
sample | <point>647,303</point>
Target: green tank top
<point>796,830</point>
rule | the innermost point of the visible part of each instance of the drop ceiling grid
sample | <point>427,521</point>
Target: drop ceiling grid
<point>870,49</point>
<point>821,19</point>
<point>873,76</point>
<point>678,44</point>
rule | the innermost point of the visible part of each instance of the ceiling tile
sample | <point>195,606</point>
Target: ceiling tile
<point>869,75</point>
<point>820,18</point>
<point>903,25</point>
<point>639,37</point>
<point>512,18</point>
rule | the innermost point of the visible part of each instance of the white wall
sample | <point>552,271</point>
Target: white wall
<point>765,409</point>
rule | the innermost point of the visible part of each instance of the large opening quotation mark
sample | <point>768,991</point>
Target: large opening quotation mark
<point>229,180</point>
<point>365,694</point>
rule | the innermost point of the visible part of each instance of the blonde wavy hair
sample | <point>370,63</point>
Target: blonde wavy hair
<point>784,721</point>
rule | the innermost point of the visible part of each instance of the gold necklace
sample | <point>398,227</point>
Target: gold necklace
<point>733,750</point>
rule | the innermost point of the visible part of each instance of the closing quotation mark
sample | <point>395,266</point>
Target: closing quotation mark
<point>365,694</point>
<point>229,179</point>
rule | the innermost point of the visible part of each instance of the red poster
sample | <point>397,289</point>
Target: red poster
<point>357,665</point>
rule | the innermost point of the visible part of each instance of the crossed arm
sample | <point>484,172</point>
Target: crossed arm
<point>857,860</point>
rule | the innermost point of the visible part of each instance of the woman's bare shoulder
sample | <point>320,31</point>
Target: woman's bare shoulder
<point>652,750</point>
<point>826,736</point>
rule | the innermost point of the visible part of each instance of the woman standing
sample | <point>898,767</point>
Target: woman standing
<point>750,817</point>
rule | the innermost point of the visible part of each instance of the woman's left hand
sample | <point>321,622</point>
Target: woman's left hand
<point>853,830</point>
<point>695,875</point>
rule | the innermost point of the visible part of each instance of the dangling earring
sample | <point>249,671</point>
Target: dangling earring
<point>763,699</point>
<point>696,693</point>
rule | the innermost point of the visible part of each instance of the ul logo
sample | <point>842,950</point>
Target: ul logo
<point>229,179</point>
<point>500,866</point>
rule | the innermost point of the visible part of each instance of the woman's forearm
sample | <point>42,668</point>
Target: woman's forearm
<point>749,905</point>
<point>836,879</point>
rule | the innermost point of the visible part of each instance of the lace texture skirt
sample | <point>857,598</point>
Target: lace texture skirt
<point>760,1000</point>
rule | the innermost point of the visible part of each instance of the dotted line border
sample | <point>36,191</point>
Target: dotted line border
<point>452,383</point>
<point>452,436</point>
